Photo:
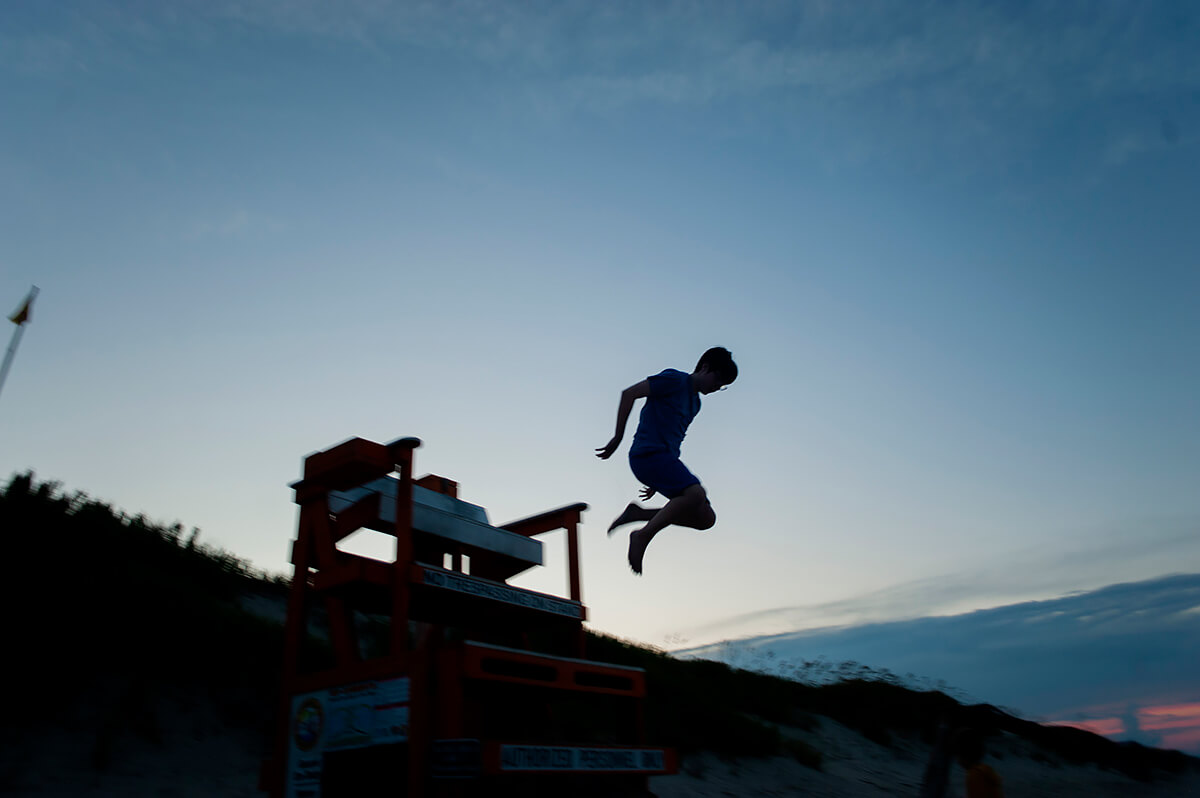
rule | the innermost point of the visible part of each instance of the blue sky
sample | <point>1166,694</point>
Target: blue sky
<point>951,246</point>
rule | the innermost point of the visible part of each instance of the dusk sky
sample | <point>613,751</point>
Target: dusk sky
<point>1119,661</point>
<point>952,247</point>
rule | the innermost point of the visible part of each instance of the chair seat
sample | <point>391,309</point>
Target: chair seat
<point>447,518</point>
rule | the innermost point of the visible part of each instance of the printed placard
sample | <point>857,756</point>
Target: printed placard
<point>340,718</point>
<point>543,758</point>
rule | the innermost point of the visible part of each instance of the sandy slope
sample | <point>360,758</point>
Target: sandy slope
<point>854,767</point>
<point>179,750</point>
<point>192,755</point>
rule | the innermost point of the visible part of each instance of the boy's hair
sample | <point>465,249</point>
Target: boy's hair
<point>719,361</point>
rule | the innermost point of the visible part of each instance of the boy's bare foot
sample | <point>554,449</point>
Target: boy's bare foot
<point>627,516</point>
<point>637,549</point>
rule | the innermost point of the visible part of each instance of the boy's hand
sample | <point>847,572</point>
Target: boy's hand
<point>646,493</point>
<point>606,451</point>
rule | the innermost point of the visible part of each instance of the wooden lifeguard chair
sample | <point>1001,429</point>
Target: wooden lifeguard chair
<point>430,675</point>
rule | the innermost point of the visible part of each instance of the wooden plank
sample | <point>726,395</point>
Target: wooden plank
<point>358,515</point>
<point>402,457</point>
<point>547,521</point>
<point>354,570</point>
<point>433,482</point>
<point>497,663</point>
<point>350,463</point>
<point>486,590</point>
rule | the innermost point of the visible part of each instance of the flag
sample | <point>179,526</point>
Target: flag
<point>23,313</point>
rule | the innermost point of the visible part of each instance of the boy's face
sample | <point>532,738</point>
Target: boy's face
<point>705,381</point>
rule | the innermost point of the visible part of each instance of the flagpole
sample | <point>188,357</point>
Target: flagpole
<point>12,351</point>
<point>23,316</point>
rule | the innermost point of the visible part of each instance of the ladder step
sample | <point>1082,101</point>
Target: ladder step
<point>453,582</point>
<point>497,663</point>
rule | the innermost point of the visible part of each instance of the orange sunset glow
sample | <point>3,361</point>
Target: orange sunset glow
<point>1172,725</point>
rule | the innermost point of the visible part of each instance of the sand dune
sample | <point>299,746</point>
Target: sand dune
<point>193,755</point>
<point>854,767</point>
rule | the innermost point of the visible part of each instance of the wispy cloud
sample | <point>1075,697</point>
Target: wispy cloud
<point>1120,656</point>
<point>964,86</point>
<point>989,57</point>
<point>1134,550</point>
<point>1030,54</point>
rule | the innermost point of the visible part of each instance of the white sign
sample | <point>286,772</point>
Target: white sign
<point>340,718</point>
<point>551,758</point>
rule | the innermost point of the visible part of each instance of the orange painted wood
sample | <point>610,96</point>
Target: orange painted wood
<point>573,562</point>
<point>363,512</point>
<point>325,554</point>
<point>297,609</point>
<point>450,714</point>
<point>568,674</point>
<point>547,521</point>
<point>341,631</point>
<point>440,705</point>
<point>274,773</point>
<point>402,447</point>
<point>403,457</point>
<point>439,485</point>
<point>348,464</point>
<point>355,569</point>
<point>421,709</point>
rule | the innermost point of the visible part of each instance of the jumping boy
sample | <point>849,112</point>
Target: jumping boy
<point>672,401</point>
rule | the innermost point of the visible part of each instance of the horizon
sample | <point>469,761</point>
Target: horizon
<point>951,249</point>
<point>1159,614</point>
<point>1059,661</point>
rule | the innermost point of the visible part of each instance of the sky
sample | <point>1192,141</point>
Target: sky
<point>1119,661</point>
<point>952,248</point>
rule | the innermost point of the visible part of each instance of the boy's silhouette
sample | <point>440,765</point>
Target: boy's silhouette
<point>672,401</point>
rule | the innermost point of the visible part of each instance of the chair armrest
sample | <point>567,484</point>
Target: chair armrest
<point>547,521</point>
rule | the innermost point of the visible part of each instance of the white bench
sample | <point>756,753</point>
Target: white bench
<point>460,524</point>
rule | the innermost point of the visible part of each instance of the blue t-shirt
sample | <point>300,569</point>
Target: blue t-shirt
<point>669,409</point>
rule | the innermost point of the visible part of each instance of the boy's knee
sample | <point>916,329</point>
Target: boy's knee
<point>706,517</point>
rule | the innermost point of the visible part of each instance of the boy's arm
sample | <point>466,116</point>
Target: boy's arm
<point>628,397</point>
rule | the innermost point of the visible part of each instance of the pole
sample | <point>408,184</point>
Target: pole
<point>20,318</point>
<point>8,356</point>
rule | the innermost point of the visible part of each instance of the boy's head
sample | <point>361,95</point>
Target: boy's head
<point>715,370</point>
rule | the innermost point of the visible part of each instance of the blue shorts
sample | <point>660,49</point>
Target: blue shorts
<point>662,471</point>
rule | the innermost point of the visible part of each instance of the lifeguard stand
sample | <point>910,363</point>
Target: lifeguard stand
<point>430,675</point>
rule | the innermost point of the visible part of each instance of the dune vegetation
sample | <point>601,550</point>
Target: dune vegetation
<point>109,615</point>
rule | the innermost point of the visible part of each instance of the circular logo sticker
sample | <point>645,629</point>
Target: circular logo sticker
<point>308,723</point>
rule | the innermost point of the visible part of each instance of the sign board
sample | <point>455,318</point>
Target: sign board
<point>554,758</point>
<point>350,716</point>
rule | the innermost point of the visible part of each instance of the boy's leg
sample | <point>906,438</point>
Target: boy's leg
<point>690,509</point>
<point>632,514</point>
